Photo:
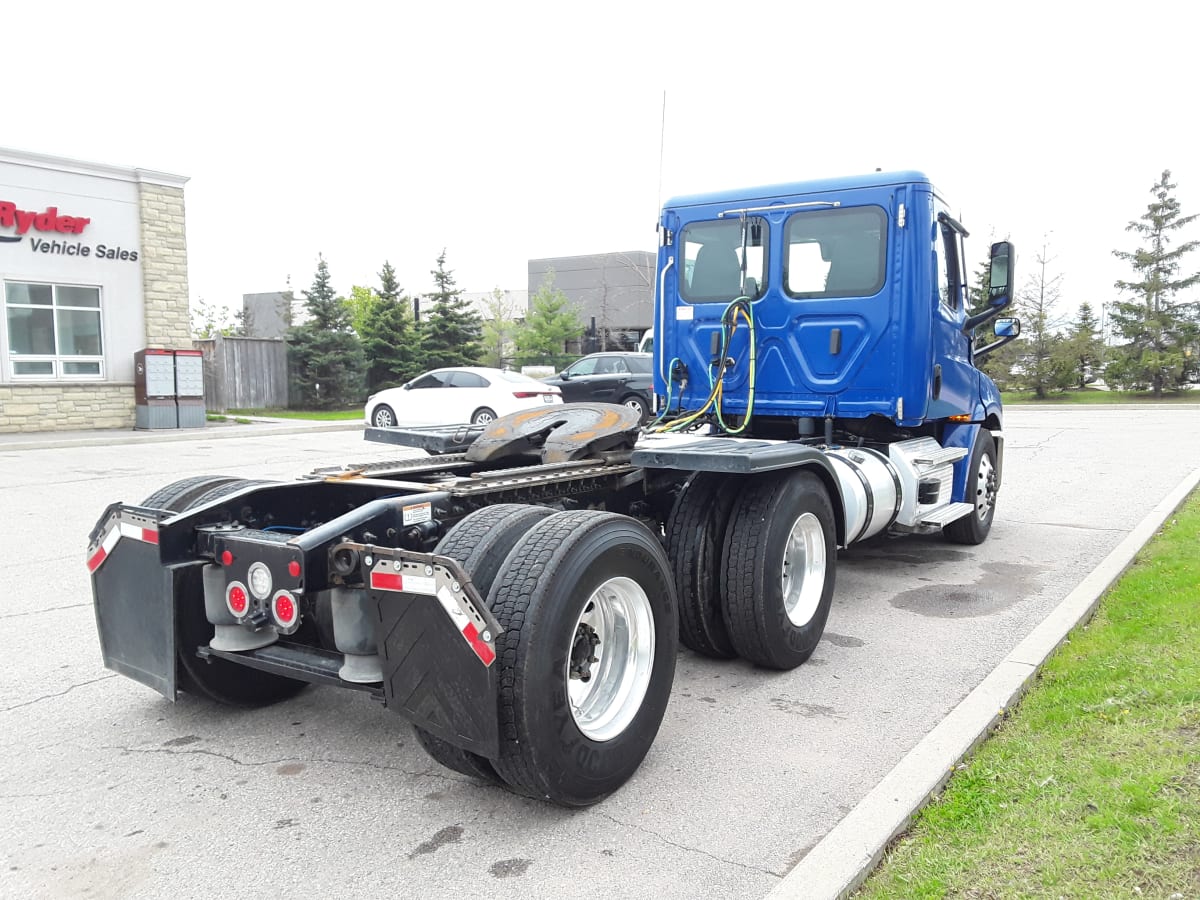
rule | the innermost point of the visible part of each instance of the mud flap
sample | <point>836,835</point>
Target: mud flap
<point>436,642</point>
<point>135,614</point>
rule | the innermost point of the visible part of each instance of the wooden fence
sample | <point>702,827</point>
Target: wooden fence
<point>244,373</point>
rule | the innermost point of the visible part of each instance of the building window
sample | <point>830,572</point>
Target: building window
<point>54,330</point>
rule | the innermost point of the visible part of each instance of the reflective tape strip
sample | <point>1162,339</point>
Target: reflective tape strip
<point>145,535</point>
<point>383,580</point>
<point>386,581</point>
<point>106,547</point>
<point>481,648</point>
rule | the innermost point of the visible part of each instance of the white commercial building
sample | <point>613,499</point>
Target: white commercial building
<point>93,267</point>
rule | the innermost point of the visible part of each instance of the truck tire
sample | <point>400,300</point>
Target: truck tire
<point>695,535</point>
<point>778,566</point>
<point>587,656</point>
<point>981,491</point>
<point>480,543</point>
<point>178,495</point>
<point>214,679</point>
<point>225,489</point>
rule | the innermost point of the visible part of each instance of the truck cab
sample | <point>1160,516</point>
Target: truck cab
<point>854,299</point>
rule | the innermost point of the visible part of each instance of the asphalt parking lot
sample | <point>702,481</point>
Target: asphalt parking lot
<point>111,791</point>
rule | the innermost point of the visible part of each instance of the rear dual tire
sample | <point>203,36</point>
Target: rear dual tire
<point>586,656</point>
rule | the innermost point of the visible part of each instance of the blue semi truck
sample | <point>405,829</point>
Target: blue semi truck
<point>518,591</point>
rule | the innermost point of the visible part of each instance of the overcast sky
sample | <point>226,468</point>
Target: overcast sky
<point>509,131</point>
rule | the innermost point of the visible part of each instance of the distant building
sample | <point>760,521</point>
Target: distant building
<point>267,315</point>
<point>614,293</point>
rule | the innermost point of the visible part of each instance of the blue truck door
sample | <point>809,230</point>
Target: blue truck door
<point>954,382</point>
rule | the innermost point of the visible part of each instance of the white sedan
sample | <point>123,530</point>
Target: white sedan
<point>454,396</point>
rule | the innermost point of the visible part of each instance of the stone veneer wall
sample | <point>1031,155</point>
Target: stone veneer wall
<point>164,267</point>
<point>65,407</point>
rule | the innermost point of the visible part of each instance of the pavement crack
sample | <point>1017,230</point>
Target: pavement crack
<point>353,763</point>
<point>66,690</point>
<point>1070,525</point>
<point>38,612</point>
<point>685,847</point>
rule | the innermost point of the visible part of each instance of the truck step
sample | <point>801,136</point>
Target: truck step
<point>931,458</point>
<point>947,514</point>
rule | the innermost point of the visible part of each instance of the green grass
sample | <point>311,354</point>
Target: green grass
<point>329,415</point>
<point>1093,396</point>
<point>1091,786</point>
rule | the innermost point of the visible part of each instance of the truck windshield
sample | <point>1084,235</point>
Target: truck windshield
<point>836,252</point>
<point>723,259</point>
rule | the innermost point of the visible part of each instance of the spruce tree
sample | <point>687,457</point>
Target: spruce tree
<point>449,333</point>
<point>1083,347</point>
<point>550,323</point>
<point>324,354</point>
<point>390,336</point>
<point>1160,335</point>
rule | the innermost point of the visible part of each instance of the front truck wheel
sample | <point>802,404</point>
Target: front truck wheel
<point>981,493</point>
<point>480,543</point>
<point>587,656</point>
<point>214,679</point>
<point>778,568</point>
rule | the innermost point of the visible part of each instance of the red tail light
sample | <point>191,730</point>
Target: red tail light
<point>525,395</point>
<point>236,599</point>
<point>284,609</point>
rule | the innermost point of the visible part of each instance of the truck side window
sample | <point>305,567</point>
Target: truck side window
<point>836,252</point>
<point>720,257</point>
<point>939,267</point>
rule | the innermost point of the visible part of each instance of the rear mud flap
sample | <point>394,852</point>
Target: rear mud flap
<point>436,643</point>
<point>135,614</point>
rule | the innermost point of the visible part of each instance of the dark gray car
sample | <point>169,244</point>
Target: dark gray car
<point>609,378</point>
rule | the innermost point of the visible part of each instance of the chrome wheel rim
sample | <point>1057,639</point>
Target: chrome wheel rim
<point>634,404</point>
<point>610,658</point>
<point>483,418</point>
<point>985,488</point>
<point>803,576</point>
<point>384,419</point>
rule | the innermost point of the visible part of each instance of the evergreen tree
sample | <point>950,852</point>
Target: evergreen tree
<point>324,355</point>
<point>1083,348</point>
<point>389,287</point>
<point>389,336</point>
<point>449,332</point>
<point>550,323</point>
<point>1160,335</point>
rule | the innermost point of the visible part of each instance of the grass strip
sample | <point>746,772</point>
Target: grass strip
<point>1090,787</point>
<point>323,415</point>
<point>1090,397</point>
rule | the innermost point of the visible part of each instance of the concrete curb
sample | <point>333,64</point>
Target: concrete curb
<point>261,428</point>
<point>843,859</point>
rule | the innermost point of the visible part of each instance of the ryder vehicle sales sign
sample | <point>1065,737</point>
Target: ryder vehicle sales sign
<point>47,231</point>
